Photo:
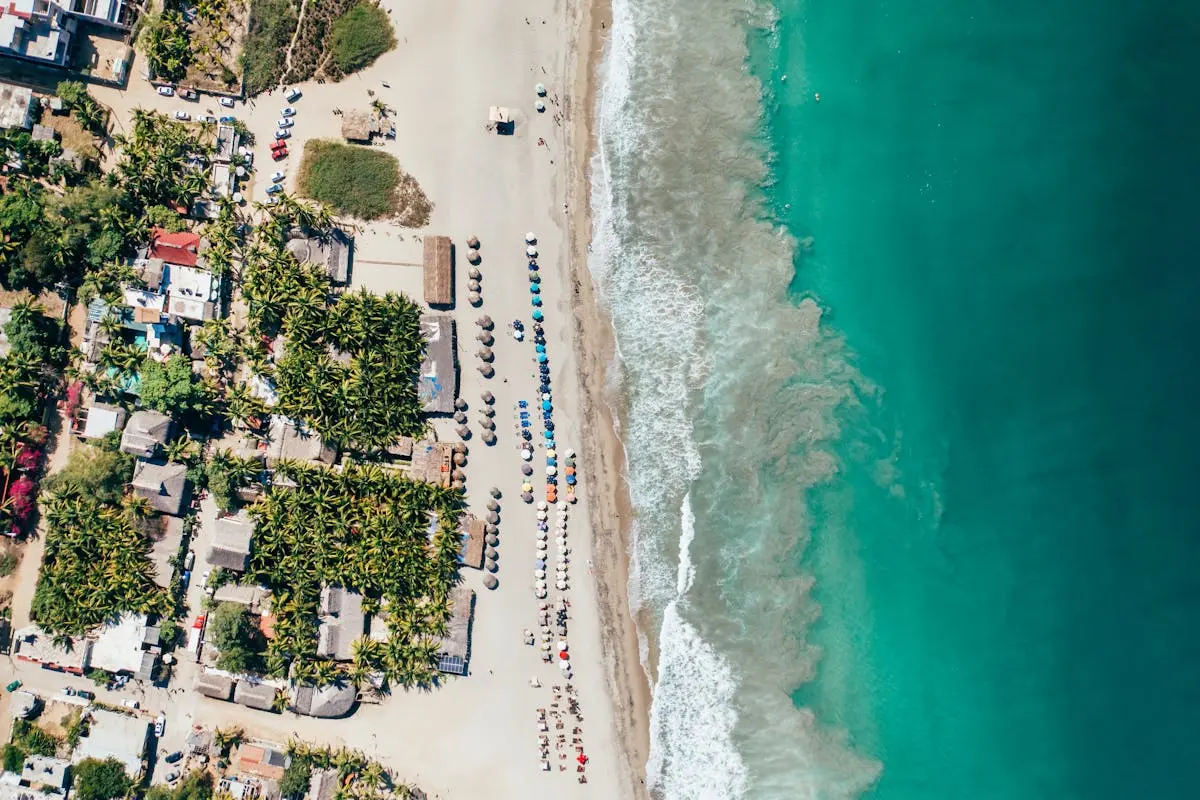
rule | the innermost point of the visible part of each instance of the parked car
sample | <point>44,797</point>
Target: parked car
<point>285,122</point>
<point>86,694</point>
<point>283,133</point>
<point>279,153</point>
<point>208,118</point>
<point>189,94</point>
<point>277,177</point>
<point>189,559</point>
<point>173,776</point>
<point>272,200</point>
<point>171,759</point>
<point>166,91</point>
<point>226,101</point>
<point>12,687</point>
<point>274,188</point>
<point>160,726</point>
<point>288,111</point>
<point>134,704</point>
<point>292,94</point>
<point>183,116</point>
<point>228,120</point>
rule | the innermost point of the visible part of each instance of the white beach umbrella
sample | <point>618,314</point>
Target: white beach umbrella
<point>539,594</point>
<point>518,335</point>
<point>541,546</point>
<point>542,536</point>
<point>563,550</point>
<point>561,541</point>
<point>542,505</point>
<point>530,237</point>
<point>540,585</point>
<point>531,251</point>
<point>541,515</point>
<point>543,606</point>
<point>527,454</point>
<point>564,665</point>
<point>551,470</point>
<point>539,574</point>
<point>561,585</point>
<point>562,507</point>
<point>540,89</point>
<point>562,644</point>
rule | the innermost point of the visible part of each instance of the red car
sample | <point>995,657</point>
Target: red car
<point>279,153</point>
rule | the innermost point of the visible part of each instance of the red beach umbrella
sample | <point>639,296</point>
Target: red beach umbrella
<point>563,655</point>
<point>581,758</point>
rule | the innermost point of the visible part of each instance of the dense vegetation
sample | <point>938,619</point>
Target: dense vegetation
<point>171,387</point>
<point>100,780</point>
<point>89,113</point>
<point>365,530</point>
<point>164,39</point>
<point>351,362</point>
<point>359,778</point>
<point>238,639</point>
<point>96,472</point>
<point>95,566</point>
<point>272,23</point>
<point>356,181</point>
<point>196,786</point>
<point>360,36</point>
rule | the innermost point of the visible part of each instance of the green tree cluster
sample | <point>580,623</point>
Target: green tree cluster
<point>165,41</point>
<point>237,638</point>
<point>33,740</point>
<point>101,780</point>
<point>98,473</point>
<point>196,786</point>
<point>360,36</point>
<point>366,530</point>
<point>95,566</point>
<point>89,113</point>
<point>29,372</point>
<point>172,387</point>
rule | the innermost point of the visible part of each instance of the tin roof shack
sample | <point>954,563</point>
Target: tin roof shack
<point>101,419</point>
<point>437,381</point>
<point>121,647</point>
<point>455,652</point>
<point>18,108</point>
<point>439,271</point>
<point>115,735</point>
<point>341,622</point>
<point>48,775</point>
<point>164,483</point>
<point>333,250</point>
<point>36,646</point>
<point>326,702</point>
<point>146,433</point>
<point>232,538</point>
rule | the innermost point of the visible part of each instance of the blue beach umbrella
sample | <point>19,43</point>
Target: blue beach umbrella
<point>539,564</point>
<point>546,405</point>
<point>537,315</point>
<point>533,287</point>
<point>541,358</point>
<point>551,462</point>
<point>537,301</point>
<point>549,434</point>
<point>549,425</point>
<point>533,265</point>
<point>570,480</point>
<point>541,348</point>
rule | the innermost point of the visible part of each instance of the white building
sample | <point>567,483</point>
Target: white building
<point>114,735</point>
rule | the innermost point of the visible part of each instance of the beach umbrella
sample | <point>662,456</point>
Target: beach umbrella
<point>490,581</point>
<point>537,315</point>
<point>549,434</point>
<point>485,322</point>
<point>463,432</point>
<point>473,286</point>
<point>552,462</point>
<point>569,453</point>
<point>546,405</point>
<point>550,425</point>
<point>541,348</point>
<point>540,89</point>
<point>475,299</point>
<point>526,487</point>
<point>541,357</point>
<point>531,238</point>
<point>570,469</point>
<point>533,265</point>
<point>473,256</point>
<point>486,370</point>
<point>531,251</point>
<point>527,497</point>
<point>485,338</point>
<point>551,470</point>
<point>473,242</point>
<point>565,666</point>
<point>539,564</point>
<point>526,455</point>
<point>536,301</point>
<point>488,398</point>
<point>460,404</point>
<point>540,584</point>
<point>540,545</point>
<point>564,655</point>
<point>535,276</point>
<point>488,411</point>
<point>518,335</point>
<point>571,480</point>
<point>539,594</point>
<point>540,106</point>
<point>561,541</point>
<point>493,518</point>
<point>542,505</point>
<point>526,469</point>
<point>491,554</point>
<point>551,453</point>
<point>542,535</point>
<point>539,574</point>
<point>459,485</point>
<point>460,417</point>
<point>459,459</point>
<point>474,274</point>
<point>491,566</point>
<point>458,475</point>
<point>489,438</point>
<point>492,505</point>
<point>485,353</point>
<point>541,514</point>
<point>535,288</point>
<point>493,540</point>
<point>581,758</point>
<point>562,507</point>
<point>490,527</point>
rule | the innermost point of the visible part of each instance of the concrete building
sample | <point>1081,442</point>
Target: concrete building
<point>36,30</point>
<point>102,419</point>
<point>47,774</point>
<point>36,646</point>
<point>261,761</point>
<point>23,704</point>
<point>120,646</point>
<point>17,104</point>
<point>115,735</point>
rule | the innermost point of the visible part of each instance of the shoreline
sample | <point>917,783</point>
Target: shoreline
<point>601,447</point>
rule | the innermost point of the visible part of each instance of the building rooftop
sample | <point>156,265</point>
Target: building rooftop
<point>192,292</point>
<point>215,685</point>
<point>456,644</point>
<point>232,537</point>
<point>437,381</point>
<point>255,695</point>
<point>163,548</point>
<point>227,140</point>
<point>22,704</point>
<point>288,439</point>
<point>115,735</point>
<point>431,462</point>
<point>45,771</point>
<point>103,419</point>
<point>439,275</point>
<point>33,644</point>
<point>118,645</point>
<point>145,433</point>
<point>326,702</point>
<point>341,623</point>
<point>164,484</point>
<point>16,102</point>
<point>181,248</point>
<point>260,760</point>
<point>323,784</point>
<point>332,251</point>
<point>474,542</point>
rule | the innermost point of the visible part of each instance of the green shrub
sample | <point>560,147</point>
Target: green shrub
<point>14,758</point>
<point>272,23</point>
<point>360,36</point>
<point>356,181</point>
<point>101,780</point>
<point>8,563</point>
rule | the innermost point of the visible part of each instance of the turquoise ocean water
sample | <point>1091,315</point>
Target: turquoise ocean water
<point>906,381</point>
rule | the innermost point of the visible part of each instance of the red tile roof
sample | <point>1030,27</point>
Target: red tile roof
<point>174,248</point>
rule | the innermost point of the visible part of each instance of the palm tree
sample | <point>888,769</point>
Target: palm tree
<point>227,738</point>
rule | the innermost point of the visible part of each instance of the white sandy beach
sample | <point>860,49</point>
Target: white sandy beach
<point>477,736</point>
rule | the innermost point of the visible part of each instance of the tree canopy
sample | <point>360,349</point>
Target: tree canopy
<point>93,472</point>
<point>101,780</point>
<point>171,387</point>
<point>237,638</point>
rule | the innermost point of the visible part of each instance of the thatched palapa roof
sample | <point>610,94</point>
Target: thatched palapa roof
<point>439,276</point>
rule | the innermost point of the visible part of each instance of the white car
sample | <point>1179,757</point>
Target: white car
<point>283,133</point>
<point>272,200</point>
<point>288,111</point>
<point>134,704</point>
<point>226,101</point>
<point>207,118</point>
<point>274,188</point>
<point>277,177</point>
<point>183,116</point>
<point>292,95</point>
<point>166,91</point>
<point>285,122</point>
<point>160,726</point>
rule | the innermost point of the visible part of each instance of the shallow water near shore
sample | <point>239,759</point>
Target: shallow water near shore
<point>914,514</point>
